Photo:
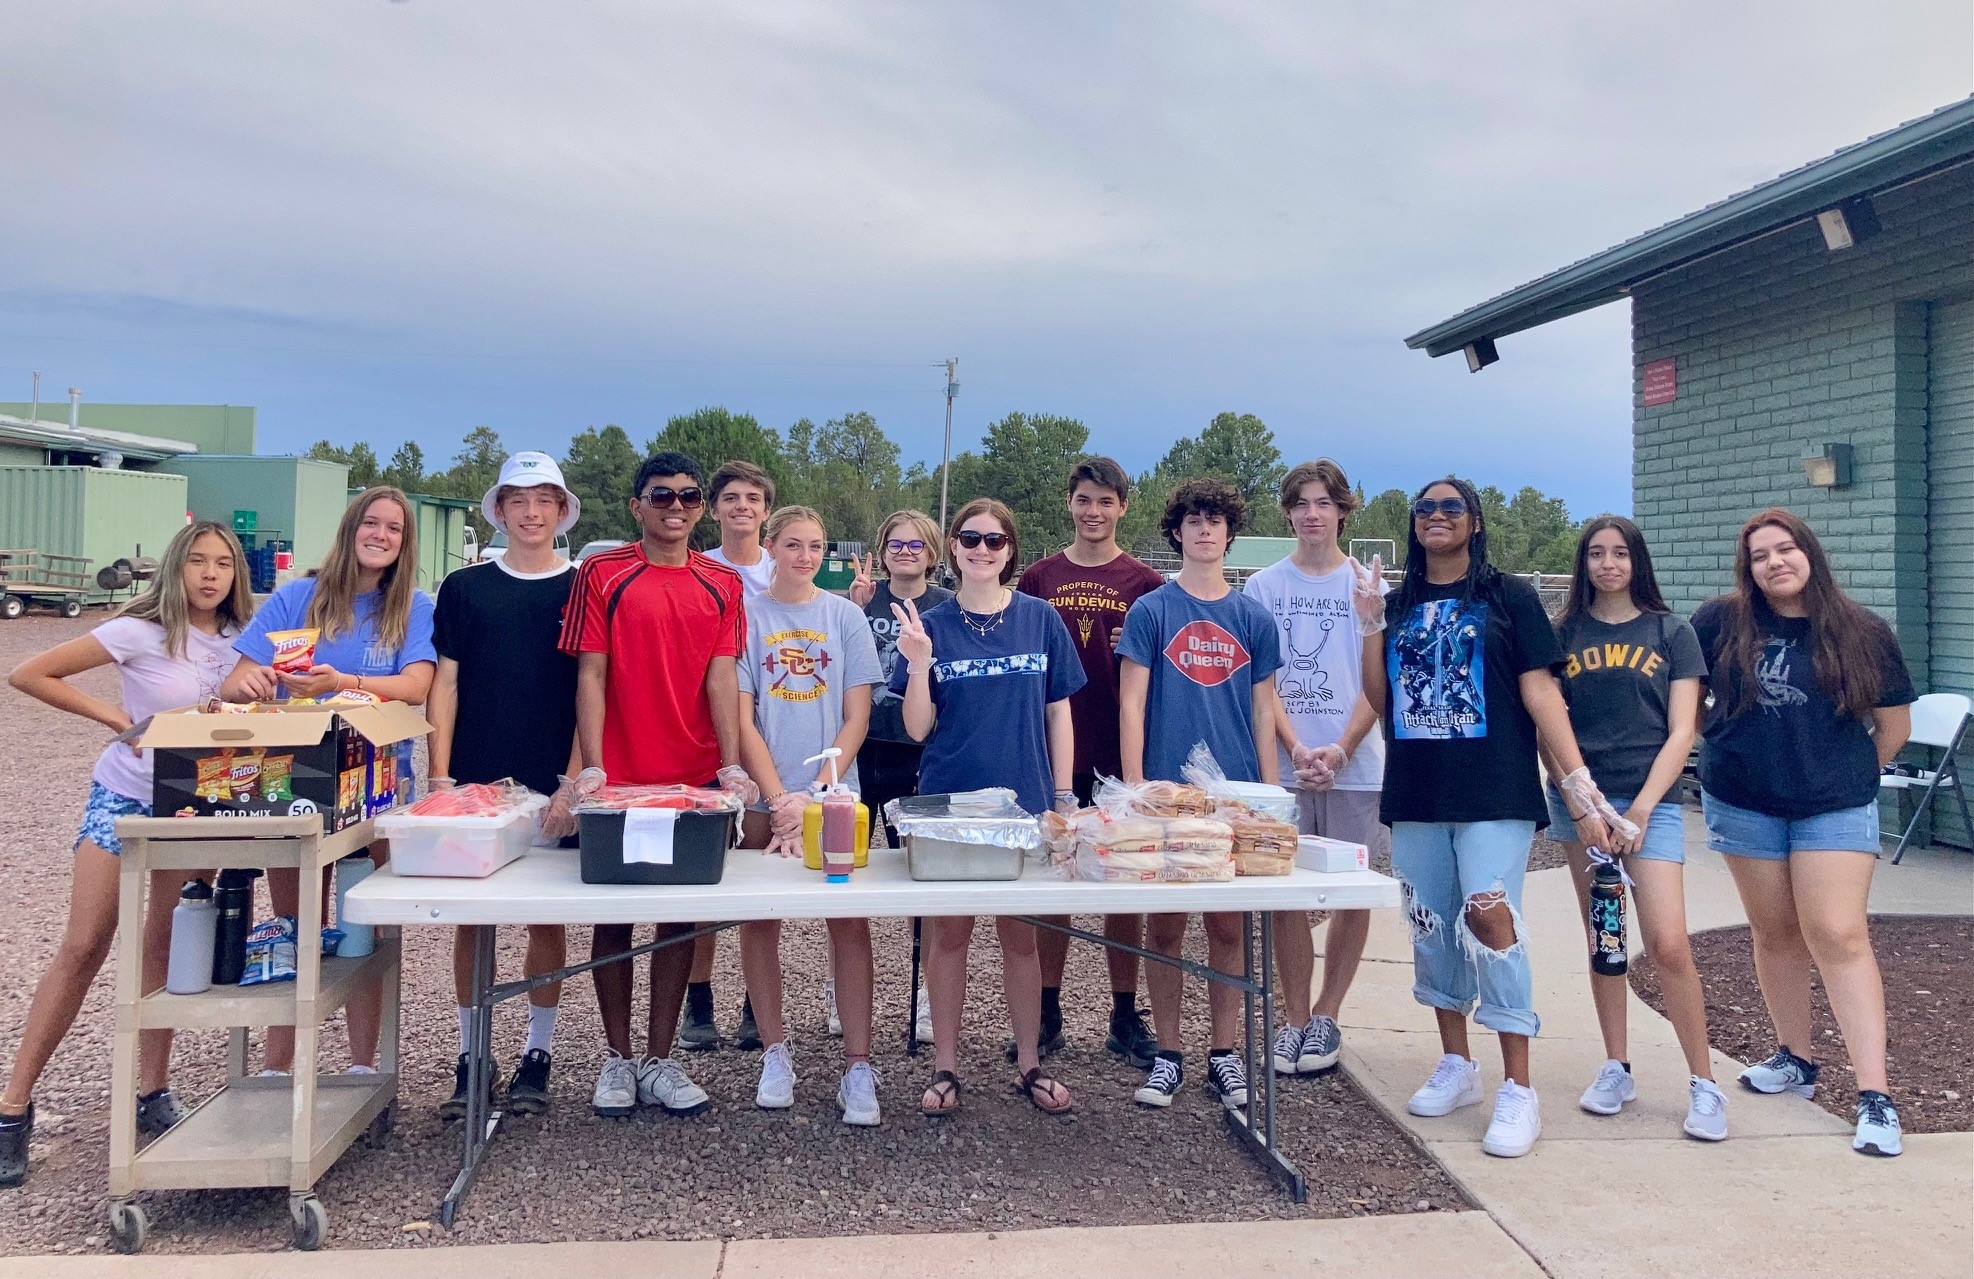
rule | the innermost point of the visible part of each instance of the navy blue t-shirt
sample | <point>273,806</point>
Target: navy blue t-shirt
<point>1205,657</point>
<point>991,694</point>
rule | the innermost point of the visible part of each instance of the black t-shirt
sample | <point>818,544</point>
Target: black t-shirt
<point>1617,678</point>
<point>887,709</point>
<point>517,688</point>
<point>1460,745</point>
<point>1788,753</point>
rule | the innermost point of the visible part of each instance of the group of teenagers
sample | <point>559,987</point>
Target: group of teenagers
<point>1419,720</point>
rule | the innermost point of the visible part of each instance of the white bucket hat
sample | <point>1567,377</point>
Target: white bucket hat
<point>526,470</point>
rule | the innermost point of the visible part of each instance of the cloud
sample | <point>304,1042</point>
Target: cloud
<point>1140,213</point>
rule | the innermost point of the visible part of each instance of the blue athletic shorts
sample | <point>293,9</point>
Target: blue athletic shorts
<point>99,818</point>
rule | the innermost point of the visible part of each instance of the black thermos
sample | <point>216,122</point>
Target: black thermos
<point>235,900</point>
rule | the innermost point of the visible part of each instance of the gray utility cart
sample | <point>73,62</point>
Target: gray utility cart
<point>59,582</point>
<point>276,1131</point>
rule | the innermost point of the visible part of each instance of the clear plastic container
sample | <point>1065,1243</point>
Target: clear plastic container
<point>1261,797</point>
<point>460,847</point>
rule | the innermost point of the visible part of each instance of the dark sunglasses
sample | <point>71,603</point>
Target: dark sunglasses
<point>1451,507</point>
<point>662,497</point>
<point>970,539</point>
<point>894,545</point>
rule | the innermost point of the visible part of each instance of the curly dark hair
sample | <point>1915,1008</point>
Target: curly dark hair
<point>1203,497</point>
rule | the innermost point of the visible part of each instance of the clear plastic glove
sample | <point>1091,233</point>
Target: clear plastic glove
<point>1066,804</point>
<point>1587,802</point>
<point>1367,597</point>
<point>440,783</point>
<point>588,782</point>
<point>558,820</point>
<point>734,781</point>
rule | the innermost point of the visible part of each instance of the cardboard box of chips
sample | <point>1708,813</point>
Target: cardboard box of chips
<point>345,759</point>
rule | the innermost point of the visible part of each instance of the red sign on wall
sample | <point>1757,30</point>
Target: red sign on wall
<point>1661,379</point>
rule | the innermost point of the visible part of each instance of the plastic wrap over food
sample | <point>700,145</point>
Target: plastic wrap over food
<point>1263,846</point>
<point>1151,799</point>
<point>614,798</point>
<point>988,817</point>
<point>477,799</point>
<point>1132,848</point>
<point>1269,800</point>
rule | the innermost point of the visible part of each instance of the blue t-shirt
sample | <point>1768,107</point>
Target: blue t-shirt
<point>354,652</point>
<point>991,694</point>
<point>1205,657</point>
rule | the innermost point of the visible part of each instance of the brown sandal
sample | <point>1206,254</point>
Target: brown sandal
<point>1029,1083</point>
<point>945,1087</point>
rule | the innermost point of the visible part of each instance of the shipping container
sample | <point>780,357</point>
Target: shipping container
<point>86,510</point>
<point>296,500</point>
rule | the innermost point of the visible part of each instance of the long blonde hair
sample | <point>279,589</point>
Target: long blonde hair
<point>164,602</point>
<point>333,608</point>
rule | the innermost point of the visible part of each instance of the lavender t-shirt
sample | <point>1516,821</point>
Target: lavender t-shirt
<point>154,681</point>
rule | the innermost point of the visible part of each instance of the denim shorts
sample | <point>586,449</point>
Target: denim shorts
<point>99,817</point>
<point>1665,829</point>
<point>1742,832</point>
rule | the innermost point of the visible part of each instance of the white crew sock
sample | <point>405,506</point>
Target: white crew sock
<point>541,1028</point>
<point>465,1031</point>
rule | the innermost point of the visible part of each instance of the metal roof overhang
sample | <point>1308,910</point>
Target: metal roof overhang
<point>1890,159</point>
<point>58,435</point>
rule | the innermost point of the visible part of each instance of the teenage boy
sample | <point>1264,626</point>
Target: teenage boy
<point>1197,660</point>
<point>657,629</point>
<point>741,495</point>
<point>503,704</point>
<point>1324,730</point>
<point>1093,584</point>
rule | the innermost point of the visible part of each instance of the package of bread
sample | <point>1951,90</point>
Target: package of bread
<point>1198,850</point>
<point>1111,848</point>
<point>1263,846</point>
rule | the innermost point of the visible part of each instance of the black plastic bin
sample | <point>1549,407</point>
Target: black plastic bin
<point>699,850</point>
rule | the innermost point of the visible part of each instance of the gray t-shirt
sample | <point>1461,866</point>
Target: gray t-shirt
<point>1618,679</point>
<point>1322,673</point>
<point>800,659</point>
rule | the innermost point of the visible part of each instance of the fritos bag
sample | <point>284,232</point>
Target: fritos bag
<point>294,651</point>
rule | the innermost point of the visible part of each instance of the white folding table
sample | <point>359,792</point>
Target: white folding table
<point>545,887</point>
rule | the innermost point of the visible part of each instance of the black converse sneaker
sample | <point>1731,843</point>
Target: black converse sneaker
<point>1226,1078</point>
<point>14,1132</point>
<point>527,1092</point>
<point>1167,1073</point>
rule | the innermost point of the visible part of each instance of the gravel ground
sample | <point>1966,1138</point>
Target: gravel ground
<point>733,1172</point>
<point>1927,962</point>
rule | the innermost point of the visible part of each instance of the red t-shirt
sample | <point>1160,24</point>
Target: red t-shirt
<point>1093,602</point>
<point>662,628</point>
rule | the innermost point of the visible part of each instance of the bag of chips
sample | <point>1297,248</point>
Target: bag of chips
<point>294,651</point>
<point>215,777</point>
<point>277,777</point>
<point>244,776</point>
<point>270,952</point>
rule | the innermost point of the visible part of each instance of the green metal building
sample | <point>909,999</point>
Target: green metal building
<point>1809,344</point>
<point>290,499</point>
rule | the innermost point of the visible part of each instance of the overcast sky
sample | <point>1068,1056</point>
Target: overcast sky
<point>388,220</point>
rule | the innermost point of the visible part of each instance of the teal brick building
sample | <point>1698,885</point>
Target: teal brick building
<point>1828,313</point>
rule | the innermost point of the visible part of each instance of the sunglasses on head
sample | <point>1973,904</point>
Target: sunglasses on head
<point>1425,508</point>
<point>970,539</point>
<point>662,497</point>
<point>895,546</point>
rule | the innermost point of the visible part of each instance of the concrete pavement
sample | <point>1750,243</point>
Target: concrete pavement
<point>1630,1194</point>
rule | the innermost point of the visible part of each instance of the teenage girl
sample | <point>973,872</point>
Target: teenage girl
<point>1463,683</point>
<point>805,685</point>
<point>1811,701</point>
<point>1632,675</point>
<point>986,679</point>
<point>172,646</point>
<point>376,637</point>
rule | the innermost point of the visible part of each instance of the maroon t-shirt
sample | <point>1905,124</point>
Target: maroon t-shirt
<point>1093,602</point>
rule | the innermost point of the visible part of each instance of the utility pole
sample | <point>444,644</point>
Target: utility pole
<point>946,466</point>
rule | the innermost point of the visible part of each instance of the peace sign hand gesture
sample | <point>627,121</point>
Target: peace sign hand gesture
<point>914,645</point>
<point>1367,598</point>
<point>863,587</point>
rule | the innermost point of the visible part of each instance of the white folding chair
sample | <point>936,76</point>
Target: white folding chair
<point>1938,720</point>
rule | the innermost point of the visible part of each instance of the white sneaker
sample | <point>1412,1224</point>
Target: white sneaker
<point>777,1087</point>
<point>1612,1088</point>
<point>616,1087</point>
<point>829,997</point>
<point>922,1017</point>
<point>1516,1124</point>
<point>661,1083</point>
<point>856,1096</point>
<point>1455,1083</point>
<point>1706,1110</point>
<point>359,1070</point>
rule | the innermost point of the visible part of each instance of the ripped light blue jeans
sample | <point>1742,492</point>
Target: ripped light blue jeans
<point>1443,866</point>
